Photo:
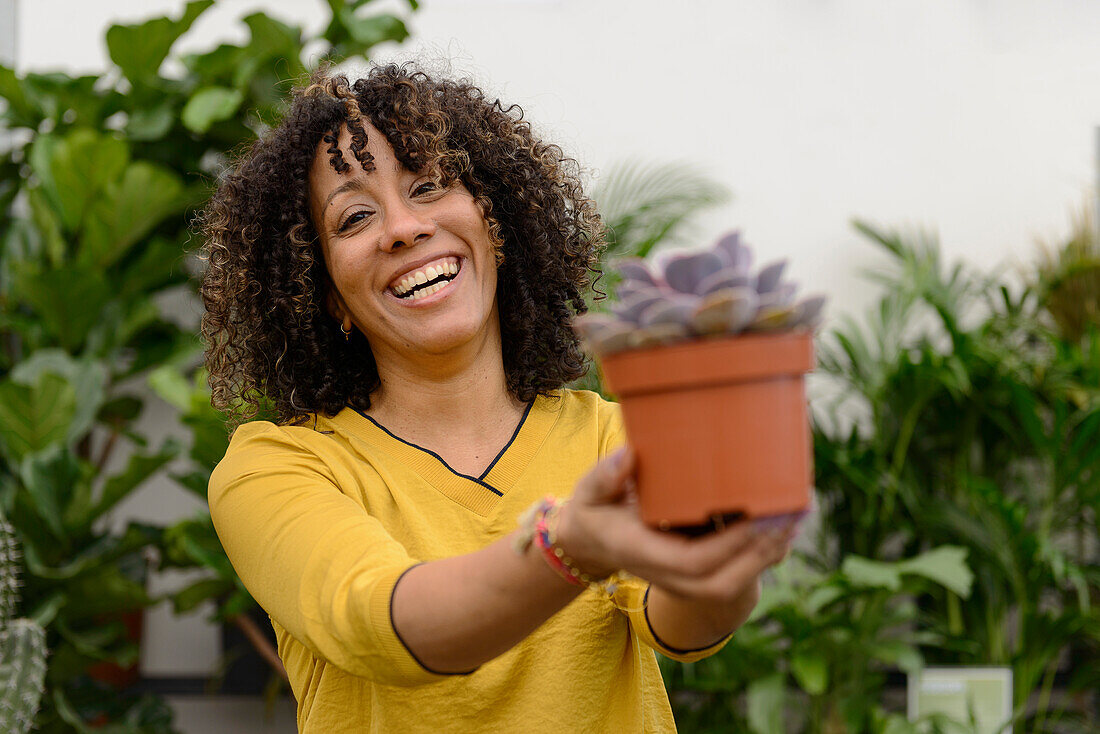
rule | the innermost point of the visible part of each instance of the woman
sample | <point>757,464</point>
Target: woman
<point>394,268</point>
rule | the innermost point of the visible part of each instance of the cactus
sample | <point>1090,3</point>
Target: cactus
<point>695,295</point>
<point>22,646</point>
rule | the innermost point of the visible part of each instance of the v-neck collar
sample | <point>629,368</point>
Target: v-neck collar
<point>479,494</point>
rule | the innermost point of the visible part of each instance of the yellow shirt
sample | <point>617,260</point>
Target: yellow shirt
<point>320,521</point>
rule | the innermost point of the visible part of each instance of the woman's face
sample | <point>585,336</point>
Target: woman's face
<point>412,263</point>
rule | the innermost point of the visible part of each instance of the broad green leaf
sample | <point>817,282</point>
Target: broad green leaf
<point>171,387</point>
<point>871,574</point>
<point>945,565</point>
<point>69,301</point>
<point>822,597</point>
<point>194,542</point>
<point>105,589</point>
<point>810,669</point>
<point>150,123</point>
<point>139,50</point>
<point>765,699</point>
<point>48,227</point>
<point>373,29</point>
<point>92,641</point>
<point>129,210</point>
<point>50,478</point>
<point>209,105</point>
<point>191,596</point>
<point>272,40</point>
<point>196,482</point>
<point>152,265</point>
<point>21,111</point>
<point>120,410</point>
<point>899,653</point>
<point>78,170</point>
<point>35,417</point>
<point>140,468</point>
<point>88,378</point>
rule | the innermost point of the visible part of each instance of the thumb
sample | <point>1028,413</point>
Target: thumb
<point>607,482</point>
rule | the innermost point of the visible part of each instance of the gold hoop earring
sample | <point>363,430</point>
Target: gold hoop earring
<point>346,333</point>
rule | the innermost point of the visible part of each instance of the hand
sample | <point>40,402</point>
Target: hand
<point>600,529</point>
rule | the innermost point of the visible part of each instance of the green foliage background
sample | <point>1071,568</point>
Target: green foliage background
<point>959,498</point>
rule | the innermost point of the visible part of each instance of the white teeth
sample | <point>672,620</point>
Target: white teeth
<point>431,272</point>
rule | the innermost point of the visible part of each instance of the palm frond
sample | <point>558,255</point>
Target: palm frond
<point>649,204</point>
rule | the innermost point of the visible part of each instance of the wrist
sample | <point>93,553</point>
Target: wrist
<point>576,544</point>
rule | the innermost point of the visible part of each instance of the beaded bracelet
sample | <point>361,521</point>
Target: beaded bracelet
<point>539,525</point>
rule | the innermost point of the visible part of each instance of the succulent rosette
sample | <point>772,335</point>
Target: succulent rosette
<point>706,293</point>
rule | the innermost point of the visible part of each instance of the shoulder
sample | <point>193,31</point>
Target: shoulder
<point>589,409</point>
<point>264,438</point>
<point>262,447</point>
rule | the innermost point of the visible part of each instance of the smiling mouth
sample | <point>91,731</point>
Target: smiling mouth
<point>428,280</point>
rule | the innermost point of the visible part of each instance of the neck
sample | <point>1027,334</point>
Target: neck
<point>450,395</point>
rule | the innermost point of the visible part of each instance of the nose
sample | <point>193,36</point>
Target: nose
<point>406,225</point>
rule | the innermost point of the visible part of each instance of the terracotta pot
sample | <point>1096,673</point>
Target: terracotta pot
<point>720,426</point>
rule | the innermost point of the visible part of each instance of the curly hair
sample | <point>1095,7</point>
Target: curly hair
<point>271,341</point>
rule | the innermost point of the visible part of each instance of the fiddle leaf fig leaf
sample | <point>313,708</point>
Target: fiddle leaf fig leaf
<point>140,467</point>
<point>68,300</point>
<point>139,50</point>
<point>131,208</point>
<point>209,105</point>
<point>87,377</point>
<point>35,417</point>
<point>374,29</point>
<point>150,123</point>
<point>76,170</point>
<point>50,478</point>
<point>21,110</point>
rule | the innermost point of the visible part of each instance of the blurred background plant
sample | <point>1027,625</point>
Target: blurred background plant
<point>99,177</point>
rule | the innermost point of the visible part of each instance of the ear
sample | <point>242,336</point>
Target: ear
<point>338,309</point>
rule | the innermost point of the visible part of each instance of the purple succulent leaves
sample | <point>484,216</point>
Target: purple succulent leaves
<point>635,270</point>
<point>725,278</point>
<point>698,294</point>
<point>726,311</point>
<point>737,255</point>
<point>808,311</point>
<point>668,312</point>
<point>684,272</point>
<point>767,280</point>
<point>631,307</point>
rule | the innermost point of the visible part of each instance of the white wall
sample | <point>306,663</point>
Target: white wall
<point>972,117</point>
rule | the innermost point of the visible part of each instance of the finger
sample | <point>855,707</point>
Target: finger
<point>666,556</point>
<point>607,481</point>
<point>733,578</point>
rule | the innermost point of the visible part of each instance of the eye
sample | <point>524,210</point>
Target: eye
<point>354,219</point>
<point>425,188</point>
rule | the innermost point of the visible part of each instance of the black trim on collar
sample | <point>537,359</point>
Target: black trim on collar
<point>477,480</point>
<point>515,433</point>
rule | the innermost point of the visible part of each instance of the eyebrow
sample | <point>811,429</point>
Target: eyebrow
<point>353,184</point>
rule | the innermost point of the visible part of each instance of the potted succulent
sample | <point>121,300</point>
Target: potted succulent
<point>708,360</point>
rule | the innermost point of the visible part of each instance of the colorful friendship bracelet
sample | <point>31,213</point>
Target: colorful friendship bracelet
<point>539,525</point>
